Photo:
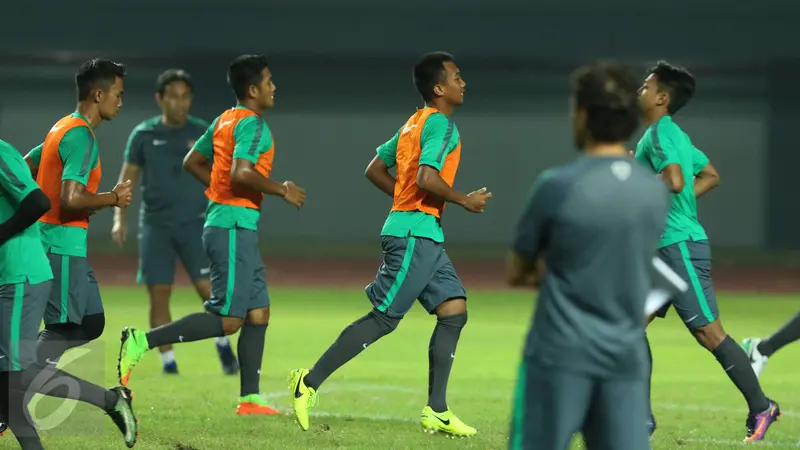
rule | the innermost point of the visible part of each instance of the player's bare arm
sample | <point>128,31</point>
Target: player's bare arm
<point>75,197</point>
<point>32,159</point>
<point>673,177</point>
<point>243,172</point>
<point>119,230</point>
<point>378,174</point>
<point>429,180</point>
<point>706,180</point>
<point>521,272</point>
<point>197,165</point>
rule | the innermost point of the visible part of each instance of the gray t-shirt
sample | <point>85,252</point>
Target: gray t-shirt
<point>170,196</point>
<point>596,221</point>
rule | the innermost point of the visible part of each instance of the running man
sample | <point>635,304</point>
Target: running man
<point>760,350</point>
<point>67,168</point>
<point>668,151</point>
<point>595,222</point>
<point>172,209</point>
<point>426,152</point>
<point>240,146</point>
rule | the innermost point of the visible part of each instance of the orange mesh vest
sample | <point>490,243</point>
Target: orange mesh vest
<point>222,189</point>
<point>407,195</point>
<point>51,168</point>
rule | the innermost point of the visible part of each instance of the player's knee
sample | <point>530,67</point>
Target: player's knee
<point>159,294</point>
<point>455,320</point>
<point>451,307</point>
<point>231,325</point>
<point>710,336</point>
<point>258,316</point>
<point>93,326</point>
<point>203,288</point>
<point>386,323</point>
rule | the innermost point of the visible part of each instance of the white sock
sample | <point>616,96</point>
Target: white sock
<point>223,341</point>
<point>168,357</point>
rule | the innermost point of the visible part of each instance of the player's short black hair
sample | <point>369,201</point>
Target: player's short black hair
<point>607,91</point>
<point>170,76</point>
<point>677,81</point>
<point>97,72</point>
<point>429,71</point>
<point>246,71</point>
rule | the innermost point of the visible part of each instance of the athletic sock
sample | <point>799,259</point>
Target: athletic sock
<point>14,411</point>
<point>168,357</point>
<point>736,364</point>
<point>46,379</point>
<point>441,352</point>
<point>649,376</point>
<point>251,354</point>
<point>787,334</point>
<point>223,341</point>
<point>353,340</point>
<point>194,327</point>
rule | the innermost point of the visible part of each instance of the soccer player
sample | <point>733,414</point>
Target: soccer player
<point>595,222</point>
<point>241,148</point>
<point>28,249</point>
<point>173,206</point>
<point>759,350</point>
<point>425,152</point>
<point>668,151</point>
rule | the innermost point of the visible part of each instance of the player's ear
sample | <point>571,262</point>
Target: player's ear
<point>253,91</point>
<point>438,91</point>
<point>97,95</point>
<point>662,98</point>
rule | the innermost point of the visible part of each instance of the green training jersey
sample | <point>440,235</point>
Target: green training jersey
<point>664,143</point>
<point>22,258</point>
<point>438,133</point>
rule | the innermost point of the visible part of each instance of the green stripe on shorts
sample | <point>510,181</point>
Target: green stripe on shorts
<point>231,271</point>
<point>401,275</point>
<point>518,418</point>
<point>16,322</point>
<point>64,288</point>
<point>696,286</point>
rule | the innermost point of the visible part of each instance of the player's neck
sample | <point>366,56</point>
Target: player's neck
<point>252,106</point>
<point>91,113</point>
<point>172,123</point>
<point>605,149</point>
<point>653,116</point>
<point>443,107</point>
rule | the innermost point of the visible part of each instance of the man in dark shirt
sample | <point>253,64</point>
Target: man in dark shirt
<point>596,222</point>
<point>173,206</point>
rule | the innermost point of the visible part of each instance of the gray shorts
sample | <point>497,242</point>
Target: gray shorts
<point>160,248</point>
<point>21,310</point>
<point>551,405</point>
<point>238,277</point>
<point>692,261</point>
<point>75,293</point>
<point>413,269</point>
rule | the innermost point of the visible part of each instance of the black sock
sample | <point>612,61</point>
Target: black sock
<point>441,352</point>
<point>194,327</point>
<point>14,411</point>
<point>56,339</point>
<point>251,353</point>
<point>46,379</point>
<point>787,334</point>
<point>736,364</point>
<point>353,340</point>
<point>649,378</point>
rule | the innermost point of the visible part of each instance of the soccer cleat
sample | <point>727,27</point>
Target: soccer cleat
<point>230,366</point>
<point>3,428</point>
<point>303,397</point>
<point>123,416</point>
<point>133,346</point>
<point>651,426</point>
<point>254,404</point>
<point>445,422</point>
<point>758,424</point>
<point>757,360</point>
<point>170,368</point>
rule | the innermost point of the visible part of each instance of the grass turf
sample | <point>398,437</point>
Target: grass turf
<point>374,401</point>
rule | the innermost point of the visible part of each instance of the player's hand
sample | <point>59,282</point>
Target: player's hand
<point>119,232</point>
<point>631,153</point>
<point>476,200</point>
<point>295,195</point>
<point>124,193</point>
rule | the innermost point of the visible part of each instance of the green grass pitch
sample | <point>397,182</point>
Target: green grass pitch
<point>374,401</point>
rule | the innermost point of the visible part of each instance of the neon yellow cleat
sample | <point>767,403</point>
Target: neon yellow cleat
<point>303,397</point>
<point>133,345</point>
<point>445,422</point>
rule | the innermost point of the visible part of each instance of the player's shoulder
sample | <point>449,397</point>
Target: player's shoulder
<point>667,127</point>
<point>196,122</point>
<point>8,151</point>
<point>148,124</point>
